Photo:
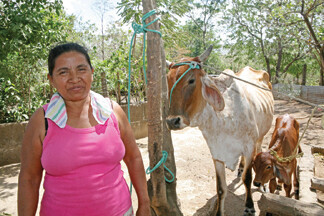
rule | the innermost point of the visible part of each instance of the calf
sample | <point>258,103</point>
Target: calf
<point>267,167</point>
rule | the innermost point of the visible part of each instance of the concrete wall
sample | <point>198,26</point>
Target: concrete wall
<point>11,134</point>
<point>313,94</point>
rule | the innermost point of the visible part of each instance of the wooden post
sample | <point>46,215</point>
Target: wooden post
<point>280,205</point>
<point>163,195</point>
<point>317,183</point>
<point>157,188</point>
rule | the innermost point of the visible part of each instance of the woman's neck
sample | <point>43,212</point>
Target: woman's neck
<point>78,107</point>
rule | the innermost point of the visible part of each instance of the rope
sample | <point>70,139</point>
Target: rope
<point>192,65</point>
<point>292,97</point>
<point>137,30</point>
<point>162,161</point>
<point>143,29</point>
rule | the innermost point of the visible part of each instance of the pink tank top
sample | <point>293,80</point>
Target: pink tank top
<point>83,171</point>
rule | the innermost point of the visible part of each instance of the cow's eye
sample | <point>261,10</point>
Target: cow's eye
<point>268,167</point>
<point>191,81</point>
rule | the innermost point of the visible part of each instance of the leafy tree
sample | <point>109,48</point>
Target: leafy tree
<point>311,14</point>
<point>27,31</point>
<point>267,32</point>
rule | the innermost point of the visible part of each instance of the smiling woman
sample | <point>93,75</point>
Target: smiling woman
<point>79,139</point>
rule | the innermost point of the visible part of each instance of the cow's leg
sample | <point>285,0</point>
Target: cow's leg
<point>241,168</point>
<point>272,185</point>
<point>287,189</point>
<point>247,180</point>
<point>220,186</point>
<point>296,182</point>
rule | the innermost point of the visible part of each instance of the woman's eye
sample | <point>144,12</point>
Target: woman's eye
<point>191,81</point>
<point>82,69</point>
<point>62,72</point>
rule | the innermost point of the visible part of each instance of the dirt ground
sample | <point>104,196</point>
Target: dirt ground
<point>196,184</point>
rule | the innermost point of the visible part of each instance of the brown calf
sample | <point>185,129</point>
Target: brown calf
<point>267,168</point>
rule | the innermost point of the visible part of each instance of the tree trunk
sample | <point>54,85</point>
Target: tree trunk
<point>318,46</point>
<point>278,61</point>
<point>104,84</point>
<point>167,143</point>
<point>304,75</point>
<point>162,194</point>
<point>118,98</point>
<point>268,67</point>
<point>321,82</point>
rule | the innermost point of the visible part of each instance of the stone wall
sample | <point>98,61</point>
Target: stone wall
<point>11,134</point>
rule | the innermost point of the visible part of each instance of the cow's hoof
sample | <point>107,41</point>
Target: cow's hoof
<point>249,212</point>
<point>297,194</point>
<point>239,172</point>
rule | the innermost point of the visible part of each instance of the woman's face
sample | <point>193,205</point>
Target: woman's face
<point>72,76</point>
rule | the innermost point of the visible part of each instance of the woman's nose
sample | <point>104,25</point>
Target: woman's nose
<point>74,76</point>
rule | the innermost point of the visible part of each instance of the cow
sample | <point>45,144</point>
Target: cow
<point>284,142</point>
<point>232,115</point>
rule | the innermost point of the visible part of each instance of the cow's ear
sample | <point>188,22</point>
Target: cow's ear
<point>281,173</point>
<point>211,94</point>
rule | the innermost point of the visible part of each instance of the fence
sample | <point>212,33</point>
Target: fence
<point>313,94</point>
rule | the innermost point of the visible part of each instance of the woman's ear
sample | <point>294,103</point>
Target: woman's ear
<point>50,78</point>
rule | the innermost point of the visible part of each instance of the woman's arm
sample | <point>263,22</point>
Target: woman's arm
<point>31,170</point>
<point>133,161</point>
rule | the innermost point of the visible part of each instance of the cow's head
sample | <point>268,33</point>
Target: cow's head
<point>193,90</point>
<point>266,167</point>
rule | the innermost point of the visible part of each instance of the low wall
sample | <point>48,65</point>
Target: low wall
<point>11,134</point>
<point>313,94</point>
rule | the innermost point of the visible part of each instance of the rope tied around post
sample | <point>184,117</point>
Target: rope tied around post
<point>137,30</point>
<point>162,161</point>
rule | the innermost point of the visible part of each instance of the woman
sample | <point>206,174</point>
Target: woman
<point>79,138</point>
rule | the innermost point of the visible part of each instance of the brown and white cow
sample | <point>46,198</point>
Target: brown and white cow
<point>232,115</point>
<point>267,168</point>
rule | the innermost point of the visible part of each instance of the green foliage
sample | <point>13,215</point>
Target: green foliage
<point>263,34</point>
<point>27,31</point>
<point>10,103</point>
<point>271,31</point>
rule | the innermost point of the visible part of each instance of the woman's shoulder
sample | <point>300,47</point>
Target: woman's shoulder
<point>36,124</point>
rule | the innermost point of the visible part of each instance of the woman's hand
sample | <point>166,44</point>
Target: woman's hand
<point>144,210</point>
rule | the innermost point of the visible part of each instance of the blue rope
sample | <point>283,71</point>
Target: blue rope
<point>162,161</point>
<point>192,65</point>
<point>137,30</point>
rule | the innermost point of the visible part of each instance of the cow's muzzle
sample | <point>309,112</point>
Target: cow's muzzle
<point>257,184</point>
<point>173,123</point>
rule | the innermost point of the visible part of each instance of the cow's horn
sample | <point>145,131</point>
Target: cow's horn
<point>205,55</point>
<point>168,63</point>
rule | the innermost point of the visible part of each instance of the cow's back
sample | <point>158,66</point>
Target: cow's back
<point>261,101</point>
<point>259,77</point>
<point>245,119</point>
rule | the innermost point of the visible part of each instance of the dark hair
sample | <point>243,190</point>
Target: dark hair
<point>63,48</point>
